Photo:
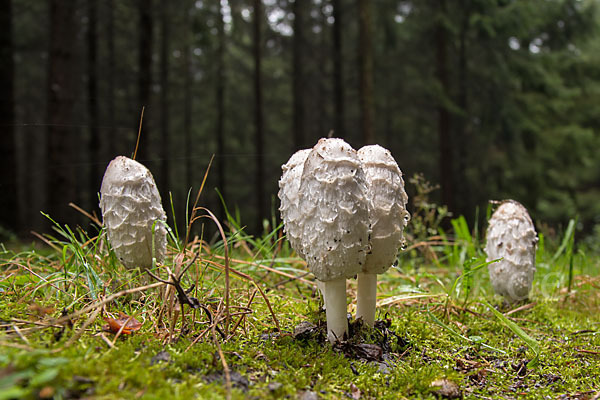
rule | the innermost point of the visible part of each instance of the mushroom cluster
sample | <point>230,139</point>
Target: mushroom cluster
<point>344,212</point>
<point>132,213</point>
<point>511,237</point>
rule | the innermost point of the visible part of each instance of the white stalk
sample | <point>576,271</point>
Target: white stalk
<point>337,323</point>
<point>366,298</point>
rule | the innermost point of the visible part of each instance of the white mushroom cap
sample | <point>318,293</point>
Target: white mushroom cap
<point>130,205</point>
<point>334,209</point>
<point>387,212</point>
<point>511,236</point>
<point>289,186</point>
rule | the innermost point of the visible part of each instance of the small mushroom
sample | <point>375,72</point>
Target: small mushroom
<point>133,214</point>
<point>387,218</point>
<point>332,224</point>
<point>512,237</point>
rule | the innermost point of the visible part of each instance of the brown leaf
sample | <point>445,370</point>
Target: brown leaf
<point>40,310</point>
<point>46,392</point>
<point>355,391</point>
<point>114,325</point>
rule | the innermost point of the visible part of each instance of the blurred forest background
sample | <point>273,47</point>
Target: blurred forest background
<point>490,99</point>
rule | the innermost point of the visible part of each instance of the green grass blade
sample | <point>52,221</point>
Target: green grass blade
<point>565,242</point>
<point>458,335</point>
<point>531,342</point>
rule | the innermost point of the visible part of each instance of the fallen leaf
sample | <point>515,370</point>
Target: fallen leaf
<point>114,325</point>
<point>40,310</point>
<point>46,392</point>
<point>355,391</point>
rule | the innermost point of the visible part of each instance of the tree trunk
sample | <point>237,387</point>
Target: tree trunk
<point>144,72</point>
<point>92,86</point>
<point>462,140</point>
<point>61,99</point>
<point>113,140</point>
<point>298,74</point>
<point>338,70</point>
<point>164,98</point>
<point>8,160</point>
<point>323,126</point>
<point>187,97</point>
<point>365,71</point>
<point>220,97</point>
<point>258,116</point>
<point>445,142</point>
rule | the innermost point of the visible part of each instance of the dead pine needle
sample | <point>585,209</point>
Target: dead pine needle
<point>137,143</point>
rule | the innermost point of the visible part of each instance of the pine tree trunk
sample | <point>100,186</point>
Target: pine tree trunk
<point>464,206</point>
<point>445,142</point>
<point>258,116</point>
<point>61,180</point>
<point>92,86</point>
<point>338,70</point>
<point>365,71</point>
<point>113,140</point>
<point>298,74</point>
<point>144,73</point>
<point>220,96</point>
<point>187,97</point>
<point>165,183</point>
<point>8,160</point>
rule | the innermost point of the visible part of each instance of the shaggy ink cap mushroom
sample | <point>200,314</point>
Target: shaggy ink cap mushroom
<point>133,214</point>
<point>325,215</point>
<point>289,186</point>
<point>387,218</point>
<point>334,209</point>
<point>511,236</point>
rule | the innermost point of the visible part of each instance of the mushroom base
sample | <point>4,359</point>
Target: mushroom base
<point>366,298</point>
<point>335,301</point>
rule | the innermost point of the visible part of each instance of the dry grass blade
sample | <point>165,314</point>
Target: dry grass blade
<point>137,143</point>
<point>20,334</point>
<point>212,217</point>
<point>195,208</point>
<point>282,273</point>
<point>93,218</point>
<point>43,239</point>
<point>100,304</point>
<point>81,330</point>
<point>222,357</point>
<point>253,282</point>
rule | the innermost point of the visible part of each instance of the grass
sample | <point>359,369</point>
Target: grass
<point>444,332</point>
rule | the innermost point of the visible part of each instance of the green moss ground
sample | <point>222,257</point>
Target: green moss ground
<point>425,358</point>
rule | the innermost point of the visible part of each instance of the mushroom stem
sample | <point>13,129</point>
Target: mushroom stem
<point>337,322</point>
<point>366,298</point>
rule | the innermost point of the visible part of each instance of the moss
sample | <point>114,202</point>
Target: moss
<point>264,363</point>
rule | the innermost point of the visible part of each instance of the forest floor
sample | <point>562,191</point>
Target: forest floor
<point>74,323</point>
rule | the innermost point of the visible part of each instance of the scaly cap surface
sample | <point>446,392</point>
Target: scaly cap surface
<point>289,186</point>
<point>131,204</point>
<point>333,204</point>
<point>511,236</point>
<point>387,207</point>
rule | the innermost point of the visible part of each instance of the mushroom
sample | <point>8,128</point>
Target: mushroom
<point>332,224</point>
<point>289,186</point>
<point>512,237</point>
<point>387,218</point>
<point>133,214</point>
